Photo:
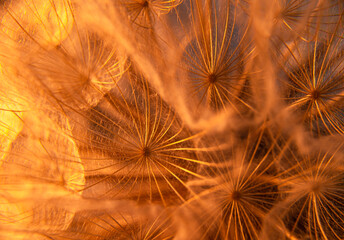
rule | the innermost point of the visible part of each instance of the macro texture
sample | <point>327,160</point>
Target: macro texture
<point>172,119</point>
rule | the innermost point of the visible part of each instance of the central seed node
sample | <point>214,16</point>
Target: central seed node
<point>316,187</point>
<point>236,195</point>
<point>145,4</point>
<point>146,152</point>
<point>212,78</point>
<point>315,94</point>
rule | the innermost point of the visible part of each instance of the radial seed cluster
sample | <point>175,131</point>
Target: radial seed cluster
<point>171,119</point>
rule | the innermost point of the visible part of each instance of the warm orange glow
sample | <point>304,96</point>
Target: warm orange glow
<point>171,119</point>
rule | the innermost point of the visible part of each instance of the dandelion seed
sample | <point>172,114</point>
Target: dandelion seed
<point>216,57</point>
<point>145,152</point>
<point>314,85</point>
<point>41,166</point>
<point>125,224</point>
<point>99,130</point>
<point>74,66</point>
<point>313,207</point>
<point>144,12</point>
<point>237,196</point>
<point>79,72</point>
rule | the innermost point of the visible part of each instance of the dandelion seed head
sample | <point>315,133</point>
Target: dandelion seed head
<point>156,119</point>
<point>314,84</point>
